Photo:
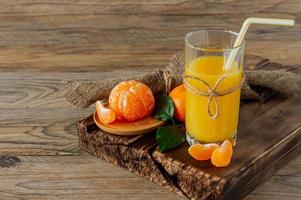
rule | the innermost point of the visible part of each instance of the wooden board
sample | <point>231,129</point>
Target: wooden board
<point>131,152</point>
<point>268,136</point>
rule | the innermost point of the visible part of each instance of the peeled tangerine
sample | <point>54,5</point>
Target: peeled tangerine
<point>202,151</point>
<point>221,157</point>
<point>131,100</point>
<point>105,115</point>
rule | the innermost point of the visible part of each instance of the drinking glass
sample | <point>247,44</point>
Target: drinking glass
<point>212,94</point>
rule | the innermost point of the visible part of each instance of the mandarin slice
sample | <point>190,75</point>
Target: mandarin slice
<point>221,157</point>
<point>105,115</point>
<point>115,95</point>
<point>202,151</point>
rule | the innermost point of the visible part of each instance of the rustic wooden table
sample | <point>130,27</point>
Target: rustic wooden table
<point>45,42</point>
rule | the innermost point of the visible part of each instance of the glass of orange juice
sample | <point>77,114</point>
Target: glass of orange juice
<point>212,87</point>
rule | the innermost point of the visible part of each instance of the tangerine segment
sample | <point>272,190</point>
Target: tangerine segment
<point>221,157</point>
<point>115,96</point>
<point>202,151</point>
<point>105,115</point>
<point>178,97</point>
<point>131,100</point>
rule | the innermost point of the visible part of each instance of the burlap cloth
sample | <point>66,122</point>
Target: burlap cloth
<point>263,79</point>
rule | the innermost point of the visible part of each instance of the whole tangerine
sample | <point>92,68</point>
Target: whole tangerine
<point>131,100</point>
<point>178,97</point>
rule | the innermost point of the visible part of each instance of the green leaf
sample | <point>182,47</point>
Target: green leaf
<point>169,137</point>
<point>164,109</point>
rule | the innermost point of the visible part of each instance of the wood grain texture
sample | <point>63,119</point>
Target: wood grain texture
<point>46,36</point>
<point>127,151</point>
<point>80,177</point>
<point>47,41</point>
<point>84,177</point>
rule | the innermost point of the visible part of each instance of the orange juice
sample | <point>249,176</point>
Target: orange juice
<point>199,125</point>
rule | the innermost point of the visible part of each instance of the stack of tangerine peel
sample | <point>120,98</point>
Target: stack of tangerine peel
<point>132,101</point>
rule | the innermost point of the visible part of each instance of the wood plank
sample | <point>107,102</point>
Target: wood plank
<point>85,177</point>
<point>41,116</point>
<point>81,43</point>
<point>80,177</point>
<point>149,58</point>
<point>38,140</point>
<point>169,7</point>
